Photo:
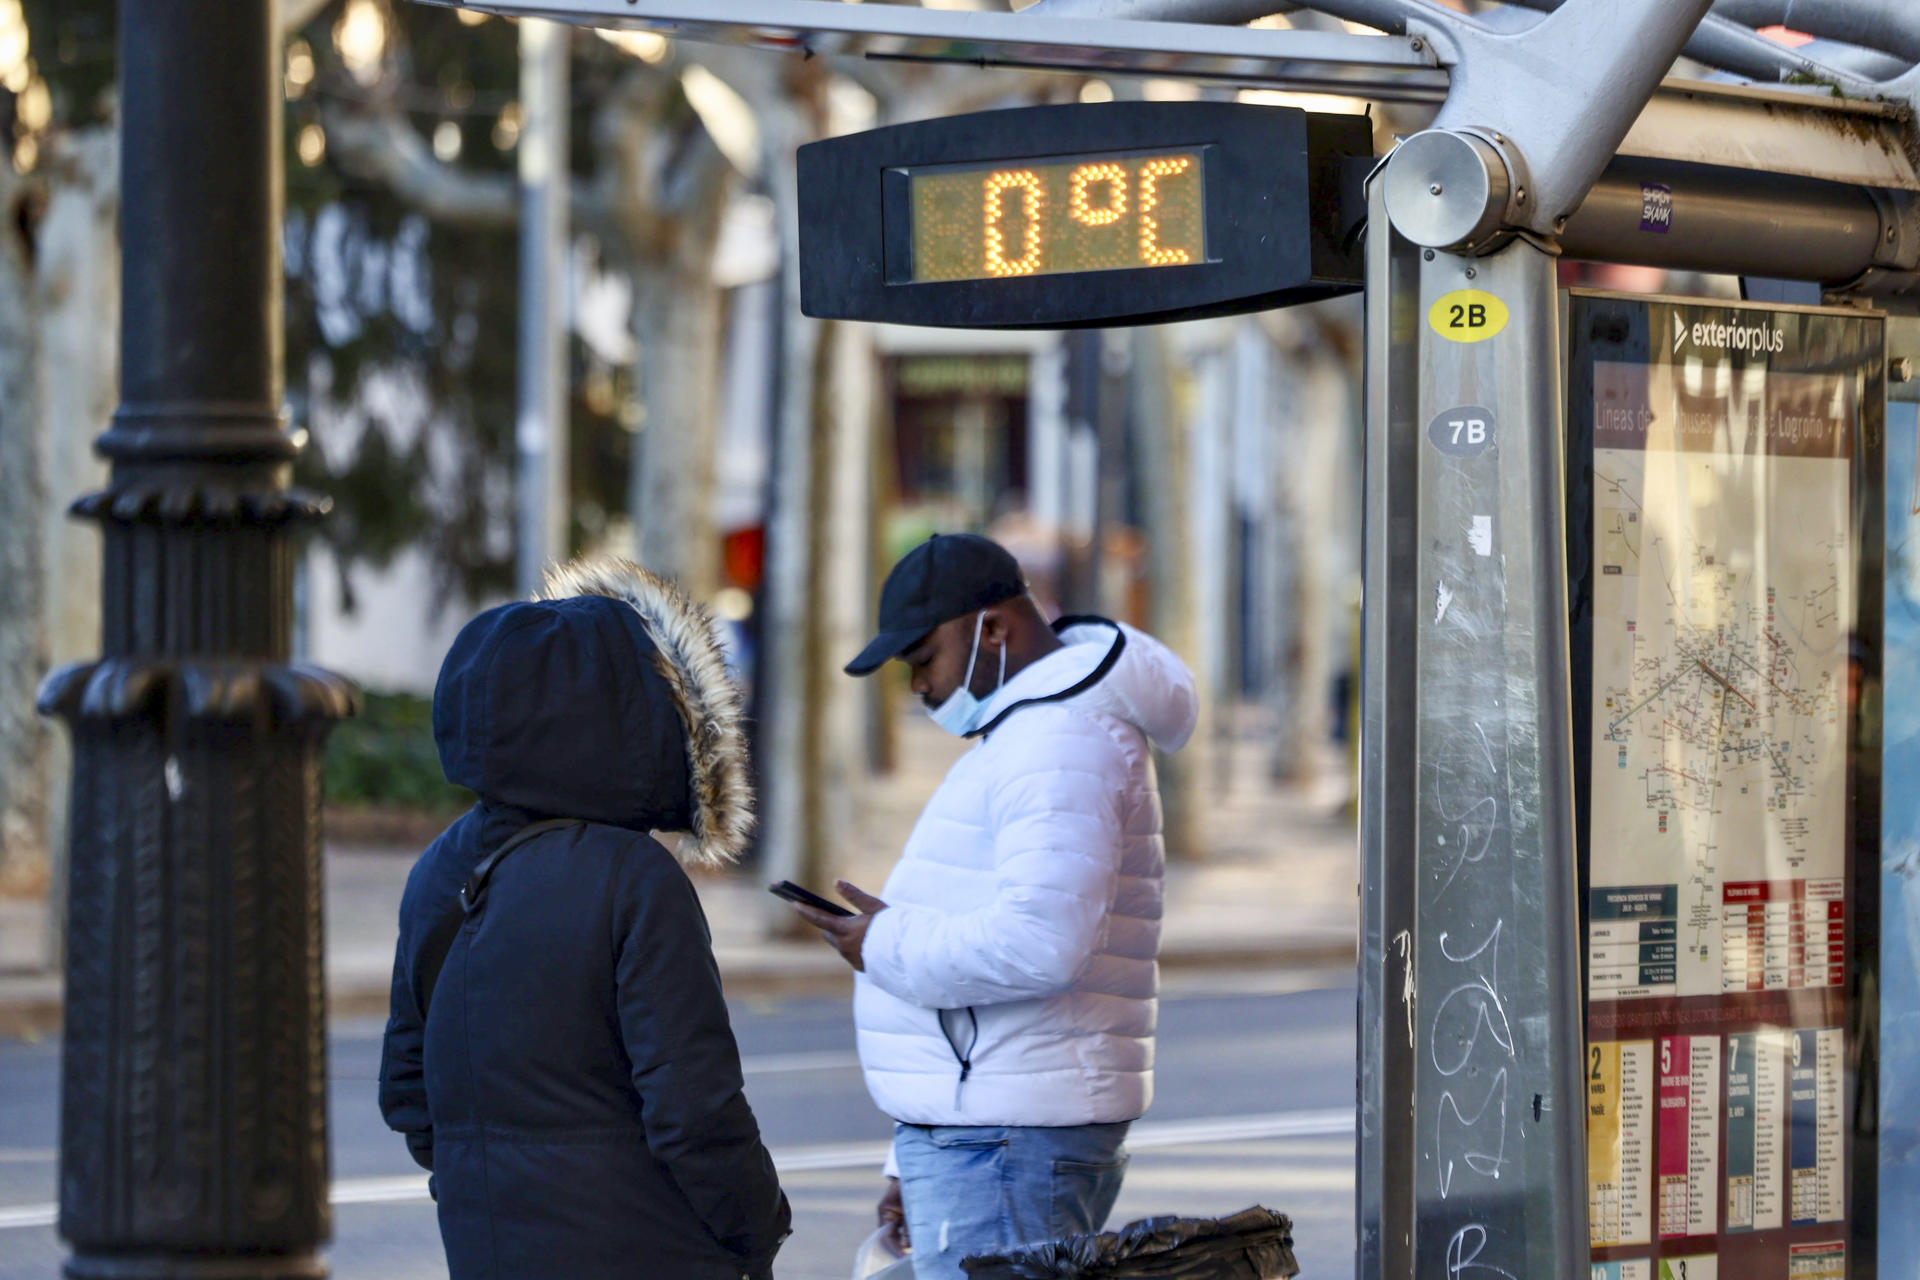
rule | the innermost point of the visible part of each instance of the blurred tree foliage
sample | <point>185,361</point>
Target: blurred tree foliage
<point>400,350</point>
<point>377,292</point>
<point>385,756</point>
<point>400,329</point>
<point>71,43</point>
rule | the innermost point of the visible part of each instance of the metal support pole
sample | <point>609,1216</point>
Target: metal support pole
<point>1387,1107</point>
<point>193,1106</point>
<point>540,430</point>
<point>1472,1136</point>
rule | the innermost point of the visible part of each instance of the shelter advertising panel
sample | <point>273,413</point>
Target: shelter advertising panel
<point>1723,521</point>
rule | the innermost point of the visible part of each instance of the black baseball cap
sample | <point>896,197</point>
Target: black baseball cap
<point>948,575</point>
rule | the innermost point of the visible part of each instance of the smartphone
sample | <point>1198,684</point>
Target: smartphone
<point>794,893</point>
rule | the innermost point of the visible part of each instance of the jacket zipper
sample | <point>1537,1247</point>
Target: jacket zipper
<point>965,1059</point>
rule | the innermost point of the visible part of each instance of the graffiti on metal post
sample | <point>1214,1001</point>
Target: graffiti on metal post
<point>1481,993</point>
<point>1470,1036</point>
<point>1461,1263</point>
<point>1479,999</point>
<point>1470,828</point>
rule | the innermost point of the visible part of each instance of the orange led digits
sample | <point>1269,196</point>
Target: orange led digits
<point>1034,200</point>
<point>1087,175</point>
<point>1150,173</point>
<point>1097,211</point>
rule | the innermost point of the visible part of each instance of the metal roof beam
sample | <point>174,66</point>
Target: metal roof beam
<point>1551,103</point>
<point>1889,26</point>
<point>1532,117</point>
<point>1386,67</point>
<point>1727,45</point>
<point>1868,63</point>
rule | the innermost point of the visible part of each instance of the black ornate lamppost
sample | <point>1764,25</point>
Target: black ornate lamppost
<point>193,1138</point>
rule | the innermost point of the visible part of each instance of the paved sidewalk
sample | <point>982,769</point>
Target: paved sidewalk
<point>1278,889</point>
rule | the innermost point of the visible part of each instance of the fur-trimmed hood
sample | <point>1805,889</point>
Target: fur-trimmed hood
<point>689,655</point>
<point>605,699</point>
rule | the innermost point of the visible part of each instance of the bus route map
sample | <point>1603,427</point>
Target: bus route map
<point>1720,643</point>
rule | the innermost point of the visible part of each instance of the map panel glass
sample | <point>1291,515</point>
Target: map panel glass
<point>1723,606</point>
<point>1726,543</point>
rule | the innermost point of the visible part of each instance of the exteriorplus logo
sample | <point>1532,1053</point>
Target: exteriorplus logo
<point>1761,337</point>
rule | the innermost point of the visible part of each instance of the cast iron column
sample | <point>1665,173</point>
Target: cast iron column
<point>193,1139</point>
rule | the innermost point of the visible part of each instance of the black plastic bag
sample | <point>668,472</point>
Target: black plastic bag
<point>1254,1244</point>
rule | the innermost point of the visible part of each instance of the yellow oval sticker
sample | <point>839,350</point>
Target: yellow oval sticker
<point>1467,315</point>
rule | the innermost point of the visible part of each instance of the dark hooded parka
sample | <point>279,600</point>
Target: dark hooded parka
<point>559,1054</point>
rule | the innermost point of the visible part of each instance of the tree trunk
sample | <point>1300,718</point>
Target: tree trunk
<point>23,629</point>
<point>79,306</point>
<point>1212,516</point>
<point>1315,480</point>
<point>59,266</point>
<point>669,188</point>
<point>1284,542</point>
<point>1160,469</point>
<point>676,319</point>
<point>845,602</point>
<point>1315,485</point>
<point>790,836</point>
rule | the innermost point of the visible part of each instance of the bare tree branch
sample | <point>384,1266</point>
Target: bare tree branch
<point>385,149</point>
<point>661,171</point>
<point>663,167</point>
<point>754,74</point>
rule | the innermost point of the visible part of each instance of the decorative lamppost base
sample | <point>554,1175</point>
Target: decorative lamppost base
<point>193,1127</point>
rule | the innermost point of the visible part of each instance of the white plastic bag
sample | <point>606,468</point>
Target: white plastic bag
<point>876,1260</point>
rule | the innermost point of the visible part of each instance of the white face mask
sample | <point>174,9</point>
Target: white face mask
<point>962,713</point>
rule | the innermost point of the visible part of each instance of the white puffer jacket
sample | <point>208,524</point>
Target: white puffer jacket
<point>1027,902</point>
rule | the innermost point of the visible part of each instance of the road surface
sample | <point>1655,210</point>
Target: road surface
<point>1253,1105</point>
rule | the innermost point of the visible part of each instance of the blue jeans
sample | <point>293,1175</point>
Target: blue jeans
<point>987,1190</point>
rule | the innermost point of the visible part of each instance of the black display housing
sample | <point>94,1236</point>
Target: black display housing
<point>1283,200</point>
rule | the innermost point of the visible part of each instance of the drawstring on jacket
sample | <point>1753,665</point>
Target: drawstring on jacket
<point>965,1059</point>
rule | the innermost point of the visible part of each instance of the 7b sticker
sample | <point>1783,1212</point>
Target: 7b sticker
<point>1464,432</point>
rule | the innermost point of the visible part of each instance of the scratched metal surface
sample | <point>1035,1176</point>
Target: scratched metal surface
<point>1472,1144</point>
<point>1500,1138</point>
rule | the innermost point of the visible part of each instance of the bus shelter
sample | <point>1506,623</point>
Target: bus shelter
<point>1624,608</point>
<point>1639,992</point>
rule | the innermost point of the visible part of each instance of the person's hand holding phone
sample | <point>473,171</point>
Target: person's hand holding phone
<point>791,892</point>
<point>846,934</point>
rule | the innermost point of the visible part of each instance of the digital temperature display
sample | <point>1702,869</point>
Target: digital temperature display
<point>1083,214</point>
<point>1091,212</point>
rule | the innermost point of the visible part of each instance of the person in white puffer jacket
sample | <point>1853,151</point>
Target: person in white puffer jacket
<point>1006,998</point>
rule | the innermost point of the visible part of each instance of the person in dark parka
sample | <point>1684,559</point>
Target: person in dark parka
<point>558,1053</point>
